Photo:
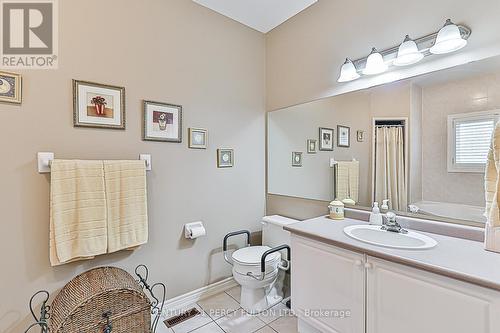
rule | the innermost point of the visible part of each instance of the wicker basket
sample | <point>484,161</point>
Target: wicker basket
<point>80,307</point>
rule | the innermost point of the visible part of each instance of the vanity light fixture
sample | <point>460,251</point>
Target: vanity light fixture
<point>348,71</point>
<point>408,53</point>
<point>375,63</point>
<point>449,39</point>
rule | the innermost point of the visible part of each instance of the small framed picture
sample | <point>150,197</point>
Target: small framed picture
<point>360,136</point>
<point>325,139</point>
<point>10,88</point>
<point>296,159</point>
<point>98,105</point>
<point>225,158</point>
<point>198,138</point>
<point>343,136</point>
<point>162,122</point>
<point>312,146</point>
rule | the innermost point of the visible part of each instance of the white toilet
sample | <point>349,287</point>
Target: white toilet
<point>261,291</point>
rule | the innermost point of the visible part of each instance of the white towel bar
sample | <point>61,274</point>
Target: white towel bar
<point>45,158</point>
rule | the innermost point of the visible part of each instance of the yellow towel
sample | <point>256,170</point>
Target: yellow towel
<point>77,211</point>
<point>347,180</point>
<point>492,190</point>
<point>126,201</point>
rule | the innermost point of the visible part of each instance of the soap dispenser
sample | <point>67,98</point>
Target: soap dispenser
<point>385,204</point>
<point>375,215</point>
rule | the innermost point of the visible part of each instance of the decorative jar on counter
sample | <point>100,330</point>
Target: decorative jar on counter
<point>336,210</point>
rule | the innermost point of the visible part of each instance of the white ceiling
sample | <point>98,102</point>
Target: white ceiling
<point>261,15</point>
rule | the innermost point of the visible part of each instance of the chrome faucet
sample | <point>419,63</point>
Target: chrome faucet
<point>392,225</point>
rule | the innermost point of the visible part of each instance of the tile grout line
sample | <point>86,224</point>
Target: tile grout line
<point>212,320</point>
<point>216,323</point>
<point>233,298</point>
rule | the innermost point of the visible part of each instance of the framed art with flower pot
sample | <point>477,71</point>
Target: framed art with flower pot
<point>10,88</point>
<point>98,105</point>
<point>162,122</point>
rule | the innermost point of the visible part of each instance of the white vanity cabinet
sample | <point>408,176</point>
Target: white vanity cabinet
<point>387,297</point>
<point>326,283</point>
<point>404,299</point>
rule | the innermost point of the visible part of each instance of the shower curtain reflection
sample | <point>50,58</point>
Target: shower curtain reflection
<point>390,169</point>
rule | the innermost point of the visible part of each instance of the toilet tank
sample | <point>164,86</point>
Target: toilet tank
<point>273,233</point>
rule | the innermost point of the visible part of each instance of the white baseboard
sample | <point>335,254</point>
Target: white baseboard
<point>198,294</point>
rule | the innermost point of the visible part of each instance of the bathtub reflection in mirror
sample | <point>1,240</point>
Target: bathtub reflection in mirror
<point>419,144</point>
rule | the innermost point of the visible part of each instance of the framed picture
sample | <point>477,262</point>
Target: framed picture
<point>98,105</point>
<point>343,136</point>
<point>296,159</point>
<point>311,146</point>
<point>360,136</point>
<point>325,139</point>
<point>10,88</point>
<point>162,122</point>
<point>198,138</point>
<point>225,158</point>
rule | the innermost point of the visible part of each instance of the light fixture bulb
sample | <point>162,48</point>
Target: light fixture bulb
<point>449,39</point>
<point>375,63</point>
<point>408,53</point>
<point>348,71</point>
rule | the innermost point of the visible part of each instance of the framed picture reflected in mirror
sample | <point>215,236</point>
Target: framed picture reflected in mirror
<point>325,139</point>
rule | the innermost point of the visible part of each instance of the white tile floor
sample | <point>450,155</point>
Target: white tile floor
<point>222,313</point>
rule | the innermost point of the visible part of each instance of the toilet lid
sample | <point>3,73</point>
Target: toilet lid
<point>251,255</point>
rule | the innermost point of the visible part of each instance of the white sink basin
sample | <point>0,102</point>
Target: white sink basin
<point>373,234</point>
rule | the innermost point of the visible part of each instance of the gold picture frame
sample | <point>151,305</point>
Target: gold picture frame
<point>297,159</point>
<point>312,146</point>
<point>197,138</point>
<point>162,122</point>
<point>11,86</point>
<point>98,105</point>
<point>225,158</point>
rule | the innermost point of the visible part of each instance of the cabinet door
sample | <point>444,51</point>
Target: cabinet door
<point>404,299</point>
<point>328,286</point>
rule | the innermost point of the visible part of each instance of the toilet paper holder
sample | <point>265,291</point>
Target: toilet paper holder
<point>194,230</point>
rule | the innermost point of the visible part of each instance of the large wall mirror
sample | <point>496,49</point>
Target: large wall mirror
<point>420,145</point>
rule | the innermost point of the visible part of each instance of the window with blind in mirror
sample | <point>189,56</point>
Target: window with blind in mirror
<point>469,137</point>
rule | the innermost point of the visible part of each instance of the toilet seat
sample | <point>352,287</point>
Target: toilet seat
<point>256,269</point>
<point>247,260</point>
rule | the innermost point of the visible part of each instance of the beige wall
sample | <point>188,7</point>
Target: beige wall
<point>478,93</point>
<point>165,50</point>
<point>305,53</point>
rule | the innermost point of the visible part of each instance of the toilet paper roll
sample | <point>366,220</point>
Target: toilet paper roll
<point>197,231</point>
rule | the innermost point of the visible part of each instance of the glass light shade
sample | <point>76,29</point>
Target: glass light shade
<point>348,72</point>
<point>408,53</point>
<point>375,63</point>
<point>448,39</point>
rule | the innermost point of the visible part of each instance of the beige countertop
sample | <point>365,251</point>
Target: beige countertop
<point>457,258</point>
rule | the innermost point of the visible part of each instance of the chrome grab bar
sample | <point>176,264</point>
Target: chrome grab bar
<point>263,261</point>
<point>231,234</point>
